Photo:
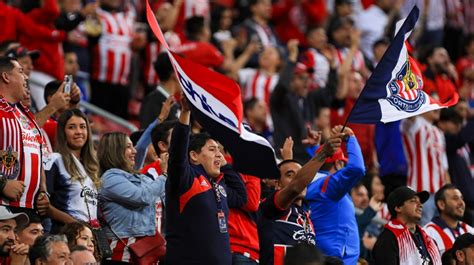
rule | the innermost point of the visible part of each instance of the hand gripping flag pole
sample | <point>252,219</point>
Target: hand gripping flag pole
<point>394,91</point>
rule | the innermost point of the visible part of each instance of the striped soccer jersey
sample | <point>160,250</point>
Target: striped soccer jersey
<point>443,235</point>
<point>425,150</point>
<point>20,152</point>
<point>151,52</point>
<point>112,55</point>
<point>358,62</point>
<point>258,84</point>
<point>320,65</point>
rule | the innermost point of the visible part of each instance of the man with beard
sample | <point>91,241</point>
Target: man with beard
<point>403,241</point>
<point>440,75</point>
<point>17,253</point>
<point>446,227</point>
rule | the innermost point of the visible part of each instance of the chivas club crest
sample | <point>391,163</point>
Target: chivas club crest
<point>9,166</point>
<point>406,88</point>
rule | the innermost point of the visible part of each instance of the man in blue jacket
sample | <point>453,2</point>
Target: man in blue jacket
<point>332,209</point>
<point>199,192</point>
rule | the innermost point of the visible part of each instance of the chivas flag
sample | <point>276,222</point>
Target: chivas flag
<point>394,91</point>
<point>216,103</point>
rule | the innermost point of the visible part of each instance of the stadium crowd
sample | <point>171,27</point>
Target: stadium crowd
<point>75,188</point>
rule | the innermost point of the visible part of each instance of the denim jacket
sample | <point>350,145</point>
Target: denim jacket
<point>127,202</point>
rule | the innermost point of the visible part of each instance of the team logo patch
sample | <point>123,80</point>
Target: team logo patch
<point>9,165</point>
<point>405,89</point>
<point>222,191</point>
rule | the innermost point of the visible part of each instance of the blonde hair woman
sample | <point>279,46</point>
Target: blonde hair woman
<point>127,199</point>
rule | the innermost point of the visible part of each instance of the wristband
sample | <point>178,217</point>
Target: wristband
<point>45,192</point>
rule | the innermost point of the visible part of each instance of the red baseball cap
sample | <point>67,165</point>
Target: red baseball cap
<point>302,68</point>
<point>337,156</point>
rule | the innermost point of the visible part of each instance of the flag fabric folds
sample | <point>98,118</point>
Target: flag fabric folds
<point>394,91</point>
<point>216,104</point>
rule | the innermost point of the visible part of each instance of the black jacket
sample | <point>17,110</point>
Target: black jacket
<point>291,113</point>
<point>151,108</point>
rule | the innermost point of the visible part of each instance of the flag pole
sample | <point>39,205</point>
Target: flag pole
<point>355,104</point>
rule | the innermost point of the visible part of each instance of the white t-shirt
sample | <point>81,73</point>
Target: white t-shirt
<point>71,196</point>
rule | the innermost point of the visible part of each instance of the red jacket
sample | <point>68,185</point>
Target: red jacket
<point>51,60</point>
<point>242,228</point>
<point>438,84</point>
<point>291,22</point>
<point>365,133</point>
<point>15,24</point>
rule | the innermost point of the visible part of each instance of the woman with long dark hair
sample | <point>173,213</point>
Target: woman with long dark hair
<point>73,172</point>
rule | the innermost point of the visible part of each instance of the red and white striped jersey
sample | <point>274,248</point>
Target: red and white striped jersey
<point>120,252</point>
<point>258,84</point>
<point>152,50</point>
<point>112,55</point>
<point>425,150</point>
<point>384,213</point>
<point>358,63</point>
<point>445,236</point>
<point>191,8</point>
<point>20,153</point>
<point>320,65</point>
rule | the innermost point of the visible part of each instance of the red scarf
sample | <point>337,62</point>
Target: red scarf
<point>407,249</point>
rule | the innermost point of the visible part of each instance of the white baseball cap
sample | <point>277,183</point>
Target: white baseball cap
<point>20,218</point>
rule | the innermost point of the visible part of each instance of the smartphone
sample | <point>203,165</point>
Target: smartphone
<point>68,80</point>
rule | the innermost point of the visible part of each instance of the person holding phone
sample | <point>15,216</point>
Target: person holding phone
<point>58,101</point>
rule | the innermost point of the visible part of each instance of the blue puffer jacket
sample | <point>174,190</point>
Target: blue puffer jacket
<point>128,202</point>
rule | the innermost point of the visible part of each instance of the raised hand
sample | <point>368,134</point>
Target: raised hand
<point>164,162</point>
<point>75,93</point>
<point>184,103</point>
<point>314,137</point>
<point>293,50</point>
<point>375,204</point>
<point>332,144</point>
<point>60,99</point>
<point>287,149</point>
<point>337,129</point>
<point>165,109</point>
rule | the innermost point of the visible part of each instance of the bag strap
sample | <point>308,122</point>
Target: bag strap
<point>103,220</point>
<point>81,179</point>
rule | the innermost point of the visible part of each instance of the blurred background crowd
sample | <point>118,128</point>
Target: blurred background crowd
<point>299,64</point>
